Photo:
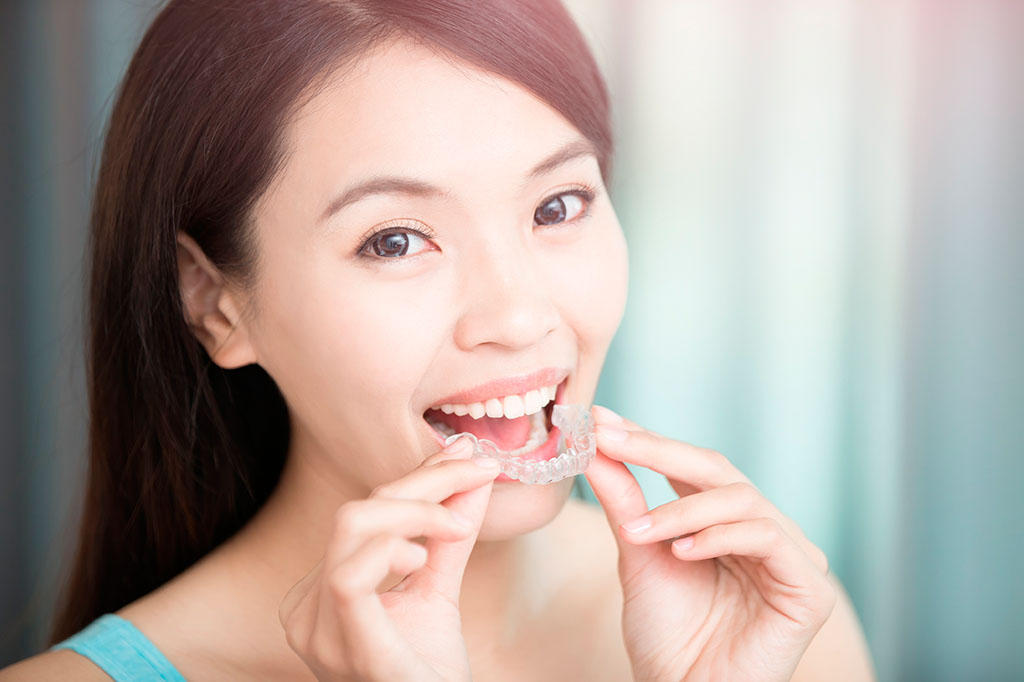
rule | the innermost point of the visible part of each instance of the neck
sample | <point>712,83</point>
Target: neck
<point>290,534</point>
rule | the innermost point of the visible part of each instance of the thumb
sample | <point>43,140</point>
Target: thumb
<point>622,499</point>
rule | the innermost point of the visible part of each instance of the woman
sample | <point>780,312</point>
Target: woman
<point>315,224</point>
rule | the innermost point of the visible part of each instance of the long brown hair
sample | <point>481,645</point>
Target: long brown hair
<point>181,452</point>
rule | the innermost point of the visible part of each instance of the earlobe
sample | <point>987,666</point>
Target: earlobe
<point>211,307</point>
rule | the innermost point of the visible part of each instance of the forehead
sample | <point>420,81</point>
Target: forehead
<point>406,110</point>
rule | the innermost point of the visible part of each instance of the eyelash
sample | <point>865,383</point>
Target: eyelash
<point>585,191</point>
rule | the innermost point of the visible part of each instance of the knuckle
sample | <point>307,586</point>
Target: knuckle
<point>819,557</point>
<point>750,497</point>
<point>772,529</point>
<point>384,490</point>
<point>343,585</point>
<point>392,544</point>
<point>715,458</point>
<point>829,595</point>
<point>343,517</point>
<point>347,519</point>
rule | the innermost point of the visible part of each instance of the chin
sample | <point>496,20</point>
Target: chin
<point>516,508</point>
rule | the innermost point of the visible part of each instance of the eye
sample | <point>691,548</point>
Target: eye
<point>393,243</point>
<point>564,207</point>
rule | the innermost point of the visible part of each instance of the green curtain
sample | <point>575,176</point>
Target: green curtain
<point>826,227</point>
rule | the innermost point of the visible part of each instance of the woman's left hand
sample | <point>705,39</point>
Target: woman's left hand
<point>743,602</point>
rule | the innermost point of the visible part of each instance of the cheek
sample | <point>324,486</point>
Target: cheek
<point>591,279</point>
<point>338,344</point>
<point>386,338</point>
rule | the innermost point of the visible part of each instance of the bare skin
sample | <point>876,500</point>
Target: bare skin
<point>537,640</point>
<point>361,348</point>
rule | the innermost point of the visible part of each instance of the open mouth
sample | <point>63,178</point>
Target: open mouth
<point>529,436</point>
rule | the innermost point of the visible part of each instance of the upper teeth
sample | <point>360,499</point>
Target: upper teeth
<point>510,407</point>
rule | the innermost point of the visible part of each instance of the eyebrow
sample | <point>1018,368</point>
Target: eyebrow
<point>397,185</point>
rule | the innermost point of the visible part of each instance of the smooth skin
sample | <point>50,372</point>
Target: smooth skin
<point>329,580</point>
<point>338,623</point>
<point>720,569</point>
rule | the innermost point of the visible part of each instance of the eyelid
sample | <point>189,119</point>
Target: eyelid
<point>398,224</point>
<point>584,188</point>
<point>589,192</point>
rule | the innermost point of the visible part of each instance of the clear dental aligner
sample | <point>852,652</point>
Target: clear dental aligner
<point>576,448</point>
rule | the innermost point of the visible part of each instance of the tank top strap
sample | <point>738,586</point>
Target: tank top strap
<point>122,651</point>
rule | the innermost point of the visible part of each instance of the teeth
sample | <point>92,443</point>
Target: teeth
<point>576,448</point>
<point>509,407</point>
<point>493,408</point>
<point>534,402</point>
<point>538,432</point>
<point>513,407</point>
<point>441,427</point>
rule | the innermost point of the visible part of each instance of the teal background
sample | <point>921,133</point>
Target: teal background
<point>824,212</point>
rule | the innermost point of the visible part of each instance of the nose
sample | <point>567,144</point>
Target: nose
<point>507,300</point>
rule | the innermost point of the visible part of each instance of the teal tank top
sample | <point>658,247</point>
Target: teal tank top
<point>124,653</point>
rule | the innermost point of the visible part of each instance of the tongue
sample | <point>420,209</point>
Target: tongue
<point>507,434</point>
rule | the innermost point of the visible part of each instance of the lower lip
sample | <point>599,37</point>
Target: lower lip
<point>545,451</point>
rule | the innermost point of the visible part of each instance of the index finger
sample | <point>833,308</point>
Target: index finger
<point>442,475</point>
<point>689,468</point>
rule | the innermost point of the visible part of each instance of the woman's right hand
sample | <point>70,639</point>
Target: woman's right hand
<point>335,619</point>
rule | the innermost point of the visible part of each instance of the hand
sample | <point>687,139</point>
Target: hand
<point>743,601</point>
<point>343,628</point>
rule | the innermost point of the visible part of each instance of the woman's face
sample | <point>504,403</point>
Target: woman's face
<point>363,335</point>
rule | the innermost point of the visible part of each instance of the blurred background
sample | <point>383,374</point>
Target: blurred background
<point>824,205</point>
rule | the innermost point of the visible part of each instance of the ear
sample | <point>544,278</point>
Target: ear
<point>212,308</point>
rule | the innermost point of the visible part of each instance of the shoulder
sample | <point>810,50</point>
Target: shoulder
<point>61,664</point>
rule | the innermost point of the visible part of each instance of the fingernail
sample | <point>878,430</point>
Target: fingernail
<point>683,543</point>
<point>638,525</point>
<point>487,462</point>
<point>459,446</point>
<point>462,520</point>
<point>605,415</point>
<point>612,433</point>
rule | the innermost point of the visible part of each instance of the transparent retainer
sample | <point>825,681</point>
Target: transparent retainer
<point>576,448</point>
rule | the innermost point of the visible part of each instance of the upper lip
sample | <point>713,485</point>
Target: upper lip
<point>517,385</point>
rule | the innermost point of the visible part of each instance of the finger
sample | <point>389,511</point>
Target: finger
<point>603,415</point>
<point>461,447</point>
<point>733,502</point>
<point>441,476</point>
<point>689,468</point>
<point>621,498</point>
<point>446,558</point>
<point>358,520</point>
<point>349,594</point>
<point>760,539</point>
